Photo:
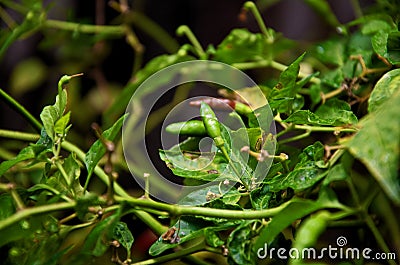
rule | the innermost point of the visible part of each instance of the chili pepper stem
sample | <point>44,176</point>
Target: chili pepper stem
<point>185,30</point>
<point>249,5</point>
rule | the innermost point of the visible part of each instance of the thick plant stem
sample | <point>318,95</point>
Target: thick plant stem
<point>19,108</point>
<point>83,28</point>
<point>151,222</point>
<point>31,137</point>
<point>20,215</point>
<point>177,210</point>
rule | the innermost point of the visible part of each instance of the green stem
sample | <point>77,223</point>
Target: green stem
<point>67,146</point>
<point>324,129</point>
<point>30,137</point>
<point>19,108</point>
<point>295,138</point>
<point>137,47</point>
<point>182,253</point>
<point>336,156</point>
<point>97,170</point>
<point>347,223</point>
<point>273,64</point>
<point>368,220</point>
<point>20,215</point>
<point>178,210</point>
<point>378,236</point>
<point>8,20</point>
<point>384,209</point>
<point>353,192</point>
<point>152,29</point>
<point>151,222</point>
<point>84,28</point>
<point>185,30</point>
<point>253,9</point>
<point>5,154</point>
<point>6,186</point>
<point>357,8</point>
<point>63,173</point>
<point>16,6</point>
<point>17,199</point>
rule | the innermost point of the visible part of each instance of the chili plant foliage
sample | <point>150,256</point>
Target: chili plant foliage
<point>336,105</point>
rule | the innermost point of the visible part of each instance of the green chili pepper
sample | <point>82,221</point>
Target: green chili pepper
<point>211,124</point>
<point>191,128</point>
<point>242,108</point>
<point>224,104</point>
<point>309,231</point>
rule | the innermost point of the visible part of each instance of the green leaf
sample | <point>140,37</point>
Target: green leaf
<point>240,46</point>
<point>49,117</point>
<point>379,43</point>
<point>393,48</point>
<point>384,89</point>
<point>206,167</point>
<point>331,52</point>
<point>123,235</point>
<point>285,91</point>
<point>263,198</point>
<point>376,25</point>
<point>306,117</point>
<point>61,124</point>
<point>186,228</point>
<point>51,114</point>
<point>337,110</point>
<point>209,166</point>
<point>288,78</point>
<point>377,145</point>
<point>201,196</point>
<point>232,197</point>
<point>336,173</point>
<point>305,174</point>
<point>239,245</point>
<point>73,171</point>
<point>297,209</point>
<point>97,150</point>
<point>334,112</point>
<point>29,152</point>
<point>7,206</point>
<point>98,240</point>
<point>212,237</point>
